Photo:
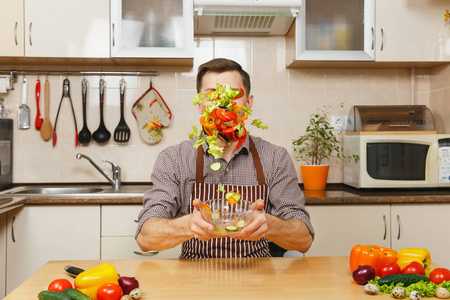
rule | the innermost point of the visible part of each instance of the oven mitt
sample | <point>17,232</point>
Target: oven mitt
<point>152,115</point>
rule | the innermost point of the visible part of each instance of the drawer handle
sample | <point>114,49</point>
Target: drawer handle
<point>385,227</point>
<point>399,226</point>
<point>382,39</point>
<point>373,38</point>
<point>148,253</point>
<point>12,229</point>
<point>113,36</point>
<point>15,33</point>
<point>29,32</point>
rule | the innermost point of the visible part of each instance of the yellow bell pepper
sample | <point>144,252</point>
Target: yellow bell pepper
<point>90,280</point>
<point>408,255</point>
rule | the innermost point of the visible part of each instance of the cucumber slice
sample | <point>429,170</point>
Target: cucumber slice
<point>215,215</point>
<point>231,228</point>
<point>240,224</point>
<point>215,166</point>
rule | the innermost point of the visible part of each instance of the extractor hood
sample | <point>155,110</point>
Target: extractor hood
<point>244,17</point>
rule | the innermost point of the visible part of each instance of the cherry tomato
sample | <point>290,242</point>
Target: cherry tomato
<point>439,275</point>
<point>388,269</point>
<point>414,268</point>
<point>59,285</point>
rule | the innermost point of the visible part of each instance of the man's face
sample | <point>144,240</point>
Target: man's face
<point>233,78</point>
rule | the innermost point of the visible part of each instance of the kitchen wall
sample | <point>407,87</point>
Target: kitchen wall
<point>284,98</point>
<point>440,95</point>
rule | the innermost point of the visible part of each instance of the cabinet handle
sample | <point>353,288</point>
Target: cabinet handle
<point>399,227</point>
<point>15,33</point>
<point>113,35</point>
<point>12,229</point>
<point>385,227</point>
<point>29,33</point>
<point>373,38</point>
<point>382,39</point>
<point>148,253</point>
<point>136,221</point>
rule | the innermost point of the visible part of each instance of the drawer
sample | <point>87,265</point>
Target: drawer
<point>120,220</point>
<point>125,247</point>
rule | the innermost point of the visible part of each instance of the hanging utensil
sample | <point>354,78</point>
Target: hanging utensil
<point>46,127</point>
<point>85,136</point>
<point>66,93</point>
<point>122,132</point>
<point>23,118</point>
<point>101,135</point>
<point>38,121</point>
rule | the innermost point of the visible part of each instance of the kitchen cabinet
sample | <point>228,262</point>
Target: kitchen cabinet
<point>39,233</point>
<point>339,227</point>
<point>422,226</point>
<point>11,24</point>
<point>119,223</point>
<point>152,29</point>
<point>2,255</point>
<point>67,29</point>
<point>414,31</point>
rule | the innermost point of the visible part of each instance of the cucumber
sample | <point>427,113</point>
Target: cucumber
<point>215,166</point>
<point>75,294</point>
<point>231,228</point>
<point>240,224</point>
<point>50,295</point>
<point>406,279</point>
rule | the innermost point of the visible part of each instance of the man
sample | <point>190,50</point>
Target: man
<point>170,215</point>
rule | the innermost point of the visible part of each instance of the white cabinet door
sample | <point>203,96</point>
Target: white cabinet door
<point>126,247</point>
<point>412,31</point>
<point>339,227</point>
<point>66,28</point>
<point>11,28</point>
<point>335,30</point>
<point>422,226</point>
<point>2,255</point>
<point>38,234</point>
<point>152,29</point>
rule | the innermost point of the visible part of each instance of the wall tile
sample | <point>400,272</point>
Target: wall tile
<point>379,79</point>
<point>342,79</point>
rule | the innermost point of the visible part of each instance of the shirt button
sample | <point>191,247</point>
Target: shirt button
<point>226,169</point>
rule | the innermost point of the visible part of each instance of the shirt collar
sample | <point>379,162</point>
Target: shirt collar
<point>245,148</point>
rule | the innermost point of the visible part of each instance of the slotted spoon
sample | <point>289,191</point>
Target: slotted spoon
<point>122,131</point>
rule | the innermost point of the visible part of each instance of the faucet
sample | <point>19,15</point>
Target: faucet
<point>115,181</point>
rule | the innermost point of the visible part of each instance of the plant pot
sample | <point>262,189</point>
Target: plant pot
<point>314,177</point>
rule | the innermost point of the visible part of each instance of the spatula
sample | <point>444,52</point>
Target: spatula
<point>23,118</point>
<point>122,132</point>
<point>46,127</point>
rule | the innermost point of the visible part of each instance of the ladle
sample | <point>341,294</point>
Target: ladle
<point>85,136</point>
<point>101,135</point>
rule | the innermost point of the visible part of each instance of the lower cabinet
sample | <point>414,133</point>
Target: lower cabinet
<point>39,233</point>
<point>339,227</point>
<point>2,255</point>
<point>119,223</point>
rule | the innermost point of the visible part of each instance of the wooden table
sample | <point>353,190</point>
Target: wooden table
<point>250,278</point>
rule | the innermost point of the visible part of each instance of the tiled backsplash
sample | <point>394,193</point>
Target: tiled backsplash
<point>284,99</point>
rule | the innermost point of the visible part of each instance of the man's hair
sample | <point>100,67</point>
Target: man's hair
<point>221,65</point>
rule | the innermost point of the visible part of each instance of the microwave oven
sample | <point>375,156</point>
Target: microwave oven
<point>397,160</point>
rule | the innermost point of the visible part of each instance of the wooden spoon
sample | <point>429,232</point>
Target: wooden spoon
<point>46,127</point>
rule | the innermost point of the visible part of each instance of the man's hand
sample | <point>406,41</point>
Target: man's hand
<point>257,226</point>
<point>201,229</point>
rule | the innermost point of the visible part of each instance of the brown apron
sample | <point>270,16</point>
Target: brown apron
<point>227,247</point>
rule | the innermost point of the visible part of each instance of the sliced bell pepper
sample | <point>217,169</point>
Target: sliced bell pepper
<point>206,122</point>
<point>90,280</point>
<point>240,94</point>
<point>226,116</point>
<point>407,255</point>
<point>371,255</point>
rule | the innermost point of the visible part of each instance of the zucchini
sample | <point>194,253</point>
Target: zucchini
<point>50,295</point>
<point>231,228</point>
<point>215,166</point>
<point>406,279</point>
<point>75,294</point>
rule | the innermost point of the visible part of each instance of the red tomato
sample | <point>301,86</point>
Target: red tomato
<point>109,291</point>
<point>388,269</point>
<point>59,285</point>
<point>414,268</point>
<point>439,275</point>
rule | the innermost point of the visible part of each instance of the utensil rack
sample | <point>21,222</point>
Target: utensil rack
<point>14,73</point>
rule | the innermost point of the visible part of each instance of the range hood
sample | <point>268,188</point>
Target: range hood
<point>244,17</point>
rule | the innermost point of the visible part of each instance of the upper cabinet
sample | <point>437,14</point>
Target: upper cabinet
<point>11,28</point>
<point>328,30</point>
<point>67,28</point>
<point>414,31</point>
<point>152,29</point>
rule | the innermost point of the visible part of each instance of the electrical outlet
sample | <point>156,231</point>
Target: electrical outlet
<point>339,122</point>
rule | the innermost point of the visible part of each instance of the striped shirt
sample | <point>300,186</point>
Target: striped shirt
<point>174,175</point>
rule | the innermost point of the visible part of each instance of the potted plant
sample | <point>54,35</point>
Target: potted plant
<point>316,146</point>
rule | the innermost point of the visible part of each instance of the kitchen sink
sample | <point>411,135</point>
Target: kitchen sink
<point>57,190</point>
<point>77,190</point>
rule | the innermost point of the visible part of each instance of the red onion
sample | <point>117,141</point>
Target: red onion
<point>363,274</point>
<point>128,284</point>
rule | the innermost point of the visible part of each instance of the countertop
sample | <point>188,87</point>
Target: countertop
<point>335,194</point>
<point>241,278</point>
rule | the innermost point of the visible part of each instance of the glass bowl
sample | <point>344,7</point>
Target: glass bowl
<point>228,219</point>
